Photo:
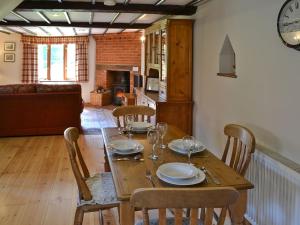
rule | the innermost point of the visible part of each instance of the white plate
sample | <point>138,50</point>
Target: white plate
<point>140,148</point>
<point>200,177</point>
<point>123,145</point>
<point>177,146</point>
<point>140,125</point>
<point>177,170</point>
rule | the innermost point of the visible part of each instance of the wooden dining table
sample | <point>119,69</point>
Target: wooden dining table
<point>131,174</point>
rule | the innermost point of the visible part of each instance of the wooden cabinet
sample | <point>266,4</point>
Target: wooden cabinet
<point>169,57</point>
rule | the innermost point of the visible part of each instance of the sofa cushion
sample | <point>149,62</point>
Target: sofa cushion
<point>46,88</point>
<point>7,89</point>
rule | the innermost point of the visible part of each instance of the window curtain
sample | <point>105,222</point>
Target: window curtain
<point>81,61</point>
<point>30,63</point>
<point>81,54</point>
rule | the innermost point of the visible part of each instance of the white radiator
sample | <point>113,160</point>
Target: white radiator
<point>275,199</point>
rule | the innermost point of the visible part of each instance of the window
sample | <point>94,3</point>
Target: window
<point>56,62</point>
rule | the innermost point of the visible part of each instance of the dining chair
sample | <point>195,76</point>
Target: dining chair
<point>200,201</point>
<point>241,144</point>
<point>96,193</point>
<point>140,112</point>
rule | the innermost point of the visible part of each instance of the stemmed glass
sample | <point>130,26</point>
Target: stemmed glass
<point>189,145</point>
<point>162,129</point>
<point>129,119</point>
<point>153,136</point>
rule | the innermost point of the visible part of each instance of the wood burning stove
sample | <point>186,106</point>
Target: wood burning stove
<point>120,85</point>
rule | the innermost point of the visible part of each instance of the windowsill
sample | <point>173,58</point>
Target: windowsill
<point>58,81</point>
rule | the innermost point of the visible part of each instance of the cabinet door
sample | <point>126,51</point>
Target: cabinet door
<point>163,77</point>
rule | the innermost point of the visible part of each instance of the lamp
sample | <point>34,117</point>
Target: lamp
<point>109,2</point>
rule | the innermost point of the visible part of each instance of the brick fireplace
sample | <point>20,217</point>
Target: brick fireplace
<point>117,54</point>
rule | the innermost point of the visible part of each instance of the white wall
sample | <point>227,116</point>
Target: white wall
<point>11,73</point>
<point>265,96</point>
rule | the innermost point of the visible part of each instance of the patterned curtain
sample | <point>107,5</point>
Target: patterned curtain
<point>81,62</point>
<point>30,63</point>
<point>81,58</point>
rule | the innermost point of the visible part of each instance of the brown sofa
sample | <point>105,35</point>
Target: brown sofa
<point>37,109</point>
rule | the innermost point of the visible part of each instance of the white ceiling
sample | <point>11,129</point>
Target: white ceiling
<point>85,17</point>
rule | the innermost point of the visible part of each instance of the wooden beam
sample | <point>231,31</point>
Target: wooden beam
<point>100,7</point>
<point>42,29</point>
<point>91,17</point>
<point>115,17</point>
<point>67,17</point>
<point>78,24</point>
<point>20,16</point>
<point>195,2</point>
<point>60,31</point>
<point>28,31</point>
<point>41,14</point>
<point>159,2</point>
<point>74,30</point>
<point>104,32</point>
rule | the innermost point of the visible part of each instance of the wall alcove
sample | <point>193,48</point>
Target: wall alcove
<point>227,60</point>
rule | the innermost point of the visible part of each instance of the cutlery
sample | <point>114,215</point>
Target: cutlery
<point>135,158</point>
<point>149,177</point>
<point>213,178</point>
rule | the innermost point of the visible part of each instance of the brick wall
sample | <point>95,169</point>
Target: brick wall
<point>117,49</point>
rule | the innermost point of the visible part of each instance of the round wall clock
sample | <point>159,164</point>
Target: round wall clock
<point>288,24</point>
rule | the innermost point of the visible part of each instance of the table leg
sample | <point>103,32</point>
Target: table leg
<point>106,163</point>
<point>126,213</point>
<point>238,210</point>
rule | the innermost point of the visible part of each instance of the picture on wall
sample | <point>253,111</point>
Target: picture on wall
<point>9,57</point>
<point>9,46</point>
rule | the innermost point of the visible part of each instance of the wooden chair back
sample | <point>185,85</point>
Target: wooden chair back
<point>242,148</point>
<point>78,165</point>
<point>140,112</point>
<point>180,198</point>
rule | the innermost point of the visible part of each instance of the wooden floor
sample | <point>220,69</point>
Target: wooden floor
<point>37,186</point>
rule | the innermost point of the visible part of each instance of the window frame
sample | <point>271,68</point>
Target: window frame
<point>65,63</point>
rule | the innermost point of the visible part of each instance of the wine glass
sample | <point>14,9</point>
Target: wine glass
<point>162,129</point>
<point>189,145</point>
<point>152,137</point>
<point>129,119</point>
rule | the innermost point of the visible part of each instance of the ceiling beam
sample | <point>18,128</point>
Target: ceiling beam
<point>60,31</point>
<point>74,30</point>
<point>159,2</point>
<point>28,31</point>
<point>42,29</point>
<point>67,17</point>
<point>20,16</point>
<point>78,24</point>
<point>104,32</point>
<point>91,17</point>
<point>100,7</point>
<point>41,14</point>
<point>196,2</point>
<point>3,20</point>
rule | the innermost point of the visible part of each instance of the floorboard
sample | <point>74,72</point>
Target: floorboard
<point>37,186</point>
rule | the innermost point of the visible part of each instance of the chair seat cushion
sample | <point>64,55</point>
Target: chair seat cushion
<point>102,188</point>
<point>169,221</point>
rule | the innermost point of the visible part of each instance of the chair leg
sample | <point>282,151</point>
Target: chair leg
<point>101,220</point>
<point>78,216</point>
